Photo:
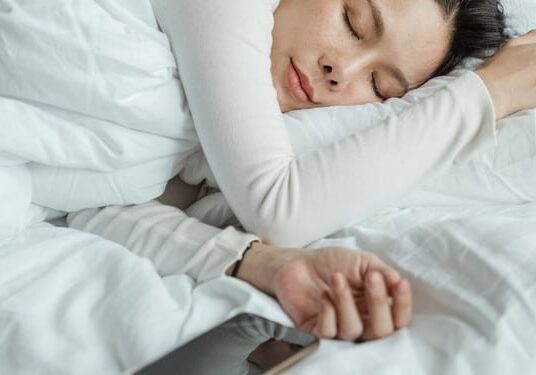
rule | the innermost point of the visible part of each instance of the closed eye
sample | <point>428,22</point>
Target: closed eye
<point>351,28</point>
<point>375,87</point>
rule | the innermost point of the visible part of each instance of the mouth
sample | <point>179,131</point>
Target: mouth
<point>299,84</point>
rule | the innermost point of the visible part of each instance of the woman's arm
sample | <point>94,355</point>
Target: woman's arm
<point>298,278</point>
<point>223,54</point>
<point>174,242</point>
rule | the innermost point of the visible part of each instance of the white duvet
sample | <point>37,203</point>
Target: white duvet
<point>71,302</point>
<point>75,303</point>
<point>472,271</point>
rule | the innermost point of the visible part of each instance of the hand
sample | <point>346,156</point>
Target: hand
<point>341,293</point>
<point>510,75</point>
<point>332,292</point>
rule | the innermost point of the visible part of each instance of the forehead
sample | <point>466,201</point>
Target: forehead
<point>416,37</point>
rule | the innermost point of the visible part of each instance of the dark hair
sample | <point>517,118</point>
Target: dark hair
<point>478,29</point>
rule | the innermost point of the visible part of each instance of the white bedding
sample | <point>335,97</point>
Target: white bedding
<point>472,271</point>
<point>74,303</point>
<point>106,117</point>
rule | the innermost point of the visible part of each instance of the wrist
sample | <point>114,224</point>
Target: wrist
<point>261,263</point>
<point>500,97</point>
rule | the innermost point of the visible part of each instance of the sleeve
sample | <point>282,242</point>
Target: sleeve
<point>174,242</point>
<point>223,54</point>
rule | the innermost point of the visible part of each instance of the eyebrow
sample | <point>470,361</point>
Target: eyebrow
<point>378,18</point>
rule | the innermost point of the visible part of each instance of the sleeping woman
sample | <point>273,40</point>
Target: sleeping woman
<point>244,62</point>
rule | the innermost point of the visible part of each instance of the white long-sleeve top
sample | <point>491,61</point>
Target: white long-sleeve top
<point>174,242</point>
<point>222,50</point>
<point>223,56</point>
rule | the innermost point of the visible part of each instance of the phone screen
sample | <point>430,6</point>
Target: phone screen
<point>245,344</point>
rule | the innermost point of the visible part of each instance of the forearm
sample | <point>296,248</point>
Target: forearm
<point>174,242</point>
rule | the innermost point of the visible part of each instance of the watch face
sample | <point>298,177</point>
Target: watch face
<point>244,344</point>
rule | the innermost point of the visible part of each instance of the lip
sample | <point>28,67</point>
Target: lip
<point>299,84</point>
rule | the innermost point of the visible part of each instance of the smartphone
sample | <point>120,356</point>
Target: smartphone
<point>245,344</point>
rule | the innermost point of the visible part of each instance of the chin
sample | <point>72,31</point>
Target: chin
<point>284,108</point>
<point>285,103</point>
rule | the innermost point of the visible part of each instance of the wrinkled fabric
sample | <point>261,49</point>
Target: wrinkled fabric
<point>173,241</point>
<point>97,308</point>
<point>91,102</point>
<point>72,302</point>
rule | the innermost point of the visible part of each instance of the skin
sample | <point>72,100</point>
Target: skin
<point>334,292</point>
<point>315,35</point>
<point>510,76</point>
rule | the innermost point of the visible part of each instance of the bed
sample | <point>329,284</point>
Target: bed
<point>72,302</point>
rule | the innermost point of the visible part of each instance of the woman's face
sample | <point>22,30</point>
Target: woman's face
<point>339,52</point>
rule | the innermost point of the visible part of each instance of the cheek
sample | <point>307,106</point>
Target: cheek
<point>359,92</point>
<point>319,25</point>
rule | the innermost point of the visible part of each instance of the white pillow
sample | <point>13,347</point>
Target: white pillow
<point>504,174</point>
<point>520,16</point>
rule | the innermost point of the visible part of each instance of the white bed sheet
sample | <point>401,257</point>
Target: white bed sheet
<point>74,303</point>
<point>472,271</point>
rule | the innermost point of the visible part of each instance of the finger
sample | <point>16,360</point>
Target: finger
<point>362,307</point>
<point>380,322</point>
<point>350,326</point>
<point>327,322</point>
<point>374,263</point>
<point>402,304</point>
<point>361,303</point>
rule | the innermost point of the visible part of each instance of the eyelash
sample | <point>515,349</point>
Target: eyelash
<point>349,24</point>
<point>375,87</point>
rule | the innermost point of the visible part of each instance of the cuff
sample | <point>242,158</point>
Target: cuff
<point>231,245</point>
<point>476,105</point>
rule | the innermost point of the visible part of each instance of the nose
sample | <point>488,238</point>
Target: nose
<point>331,78</point>
<point>339,70</point>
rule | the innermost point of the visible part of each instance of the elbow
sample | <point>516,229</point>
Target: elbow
<point>277,210</point>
